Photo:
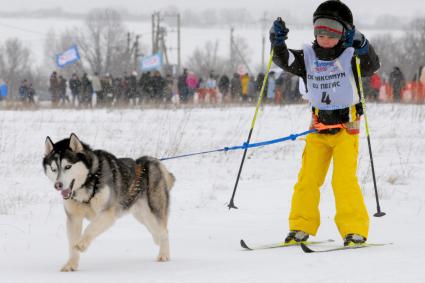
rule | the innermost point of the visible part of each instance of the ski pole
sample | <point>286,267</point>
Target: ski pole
<point>231,203</point>
<point>379,213</point>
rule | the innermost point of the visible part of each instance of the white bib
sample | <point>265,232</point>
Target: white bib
<point>330,84</point>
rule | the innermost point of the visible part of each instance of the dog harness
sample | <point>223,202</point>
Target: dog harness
<point>139,185</point>
<point>93,181</point>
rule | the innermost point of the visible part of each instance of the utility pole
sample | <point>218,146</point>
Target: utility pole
<point>157,33</point>
<point>136,51</point>
<point>242,59</point>
<point>128,43</point>
<point>163,45</point>
<point>263,50</point>
<point>234,50</point>
<point>231,49</point>
<point>153,32</point>
<point>161,31</point>
<point>129,51</point>
<point>178,45</point>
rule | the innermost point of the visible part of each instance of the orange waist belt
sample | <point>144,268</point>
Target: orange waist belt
<point>322,127</point>
<point>351,127</point>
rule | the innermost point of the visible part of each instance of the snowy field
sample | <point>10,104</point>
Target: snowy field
<point>204,234</point>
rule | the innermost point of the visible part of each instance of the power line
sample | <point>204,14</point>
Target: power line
<point>22,29</point>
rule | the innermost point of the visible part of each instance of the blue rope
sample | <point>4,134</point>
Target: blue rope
<point>245,145</point>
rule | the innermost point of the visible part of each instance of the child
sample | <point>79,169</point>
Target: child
<point>328,69</point>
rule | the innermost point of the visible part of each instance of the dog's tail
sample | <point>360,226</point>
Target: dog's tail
<point>169,177</point>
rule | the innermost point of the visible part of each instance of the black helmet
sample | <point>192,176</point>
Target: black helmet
<point>335,10</point>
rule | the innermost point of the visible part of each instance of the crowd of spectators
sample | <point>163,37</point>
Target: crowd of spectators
<point>86,91</point>
<point>155,88</point>
<point>109,91</point>
<point>394,87</point>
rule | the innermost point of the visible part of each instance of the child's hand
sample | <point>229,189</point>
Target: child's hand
<point>360,43</point>
<point>278,33</point>
<point>355,39</point>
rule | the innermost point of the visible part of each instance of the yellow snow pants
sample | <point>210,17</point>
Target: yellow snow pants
<point>351,213</point>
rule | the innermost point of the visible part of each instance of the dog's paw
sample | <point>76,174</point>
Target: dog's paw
<point>82,245</point>
<point>69,267</point>
<point>163,258</point>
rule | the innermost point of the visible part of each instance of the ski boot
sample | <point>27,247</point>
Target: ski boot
<point>354,240</point>
<point>296,237</point>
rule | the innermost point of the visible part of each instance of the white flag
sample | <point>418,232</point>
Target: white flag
<point>67,57</point>
<point>151,62</point>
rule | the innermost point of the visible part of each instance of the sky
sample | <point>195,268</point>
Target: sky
<point>406,8</point>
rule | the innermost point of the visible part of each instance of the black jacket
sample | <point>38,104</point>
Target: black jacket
<point>369,63</point>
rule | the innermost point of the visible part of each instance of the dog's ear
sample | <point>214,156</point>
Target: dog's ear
<point>48,146</point>
<point>75,144</point>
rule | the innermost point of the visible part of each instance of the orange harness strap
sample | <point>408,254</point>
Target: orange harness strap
<point>321,127</point>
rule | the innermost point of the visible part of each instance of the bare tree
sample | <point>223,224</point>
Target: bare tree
<point>50,49</point>
<point>414,47</point>
<point>14,64</point>
<point>389,51</point>
<point>55,44</point>
<point>407,52</point>
<point>204,60</point>
<point>241,55</point>
<point>103,42</point>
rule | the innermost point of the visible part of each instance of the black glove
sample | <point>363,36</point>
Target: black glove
<point>278,33</point>
<point>359,40</point>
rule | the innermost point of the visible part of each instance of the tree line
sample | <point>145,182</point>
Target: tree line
<point>105,49</point>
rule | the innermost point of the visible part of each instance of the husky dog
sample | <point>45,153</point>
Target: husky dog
<point>100,187</point>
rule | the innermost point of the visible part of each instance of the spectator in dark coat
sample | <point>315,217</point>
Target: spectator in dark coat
<point>182,87</point>
<point>86,91</point>
<point>224,85</point>
<point>26,93</point>
<point>145,86</point>
<point>117,88</point>
<point>75,87</point>
<point>397,83</point>
<point>107,86</point>
<point>168,89</point>
<point>54,88</point>
<point>62,90</point>
<point>252,89</point>
<point>134,92</point>
<point>125,87</point>
<point>23,91</point>
<point>158,85</point>
<point>259,82</point>
<point>235,87</point>
<point>31,94</point>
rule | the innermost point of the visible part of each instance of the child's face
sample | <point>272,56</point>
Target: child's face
<point>325,41</point>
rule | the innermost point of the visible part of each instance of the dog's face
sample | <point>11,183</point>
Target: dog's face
<point>65,164</point>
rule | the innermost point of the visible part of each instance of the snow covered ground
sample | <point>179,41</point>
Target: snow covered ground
<point>204,234</point>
